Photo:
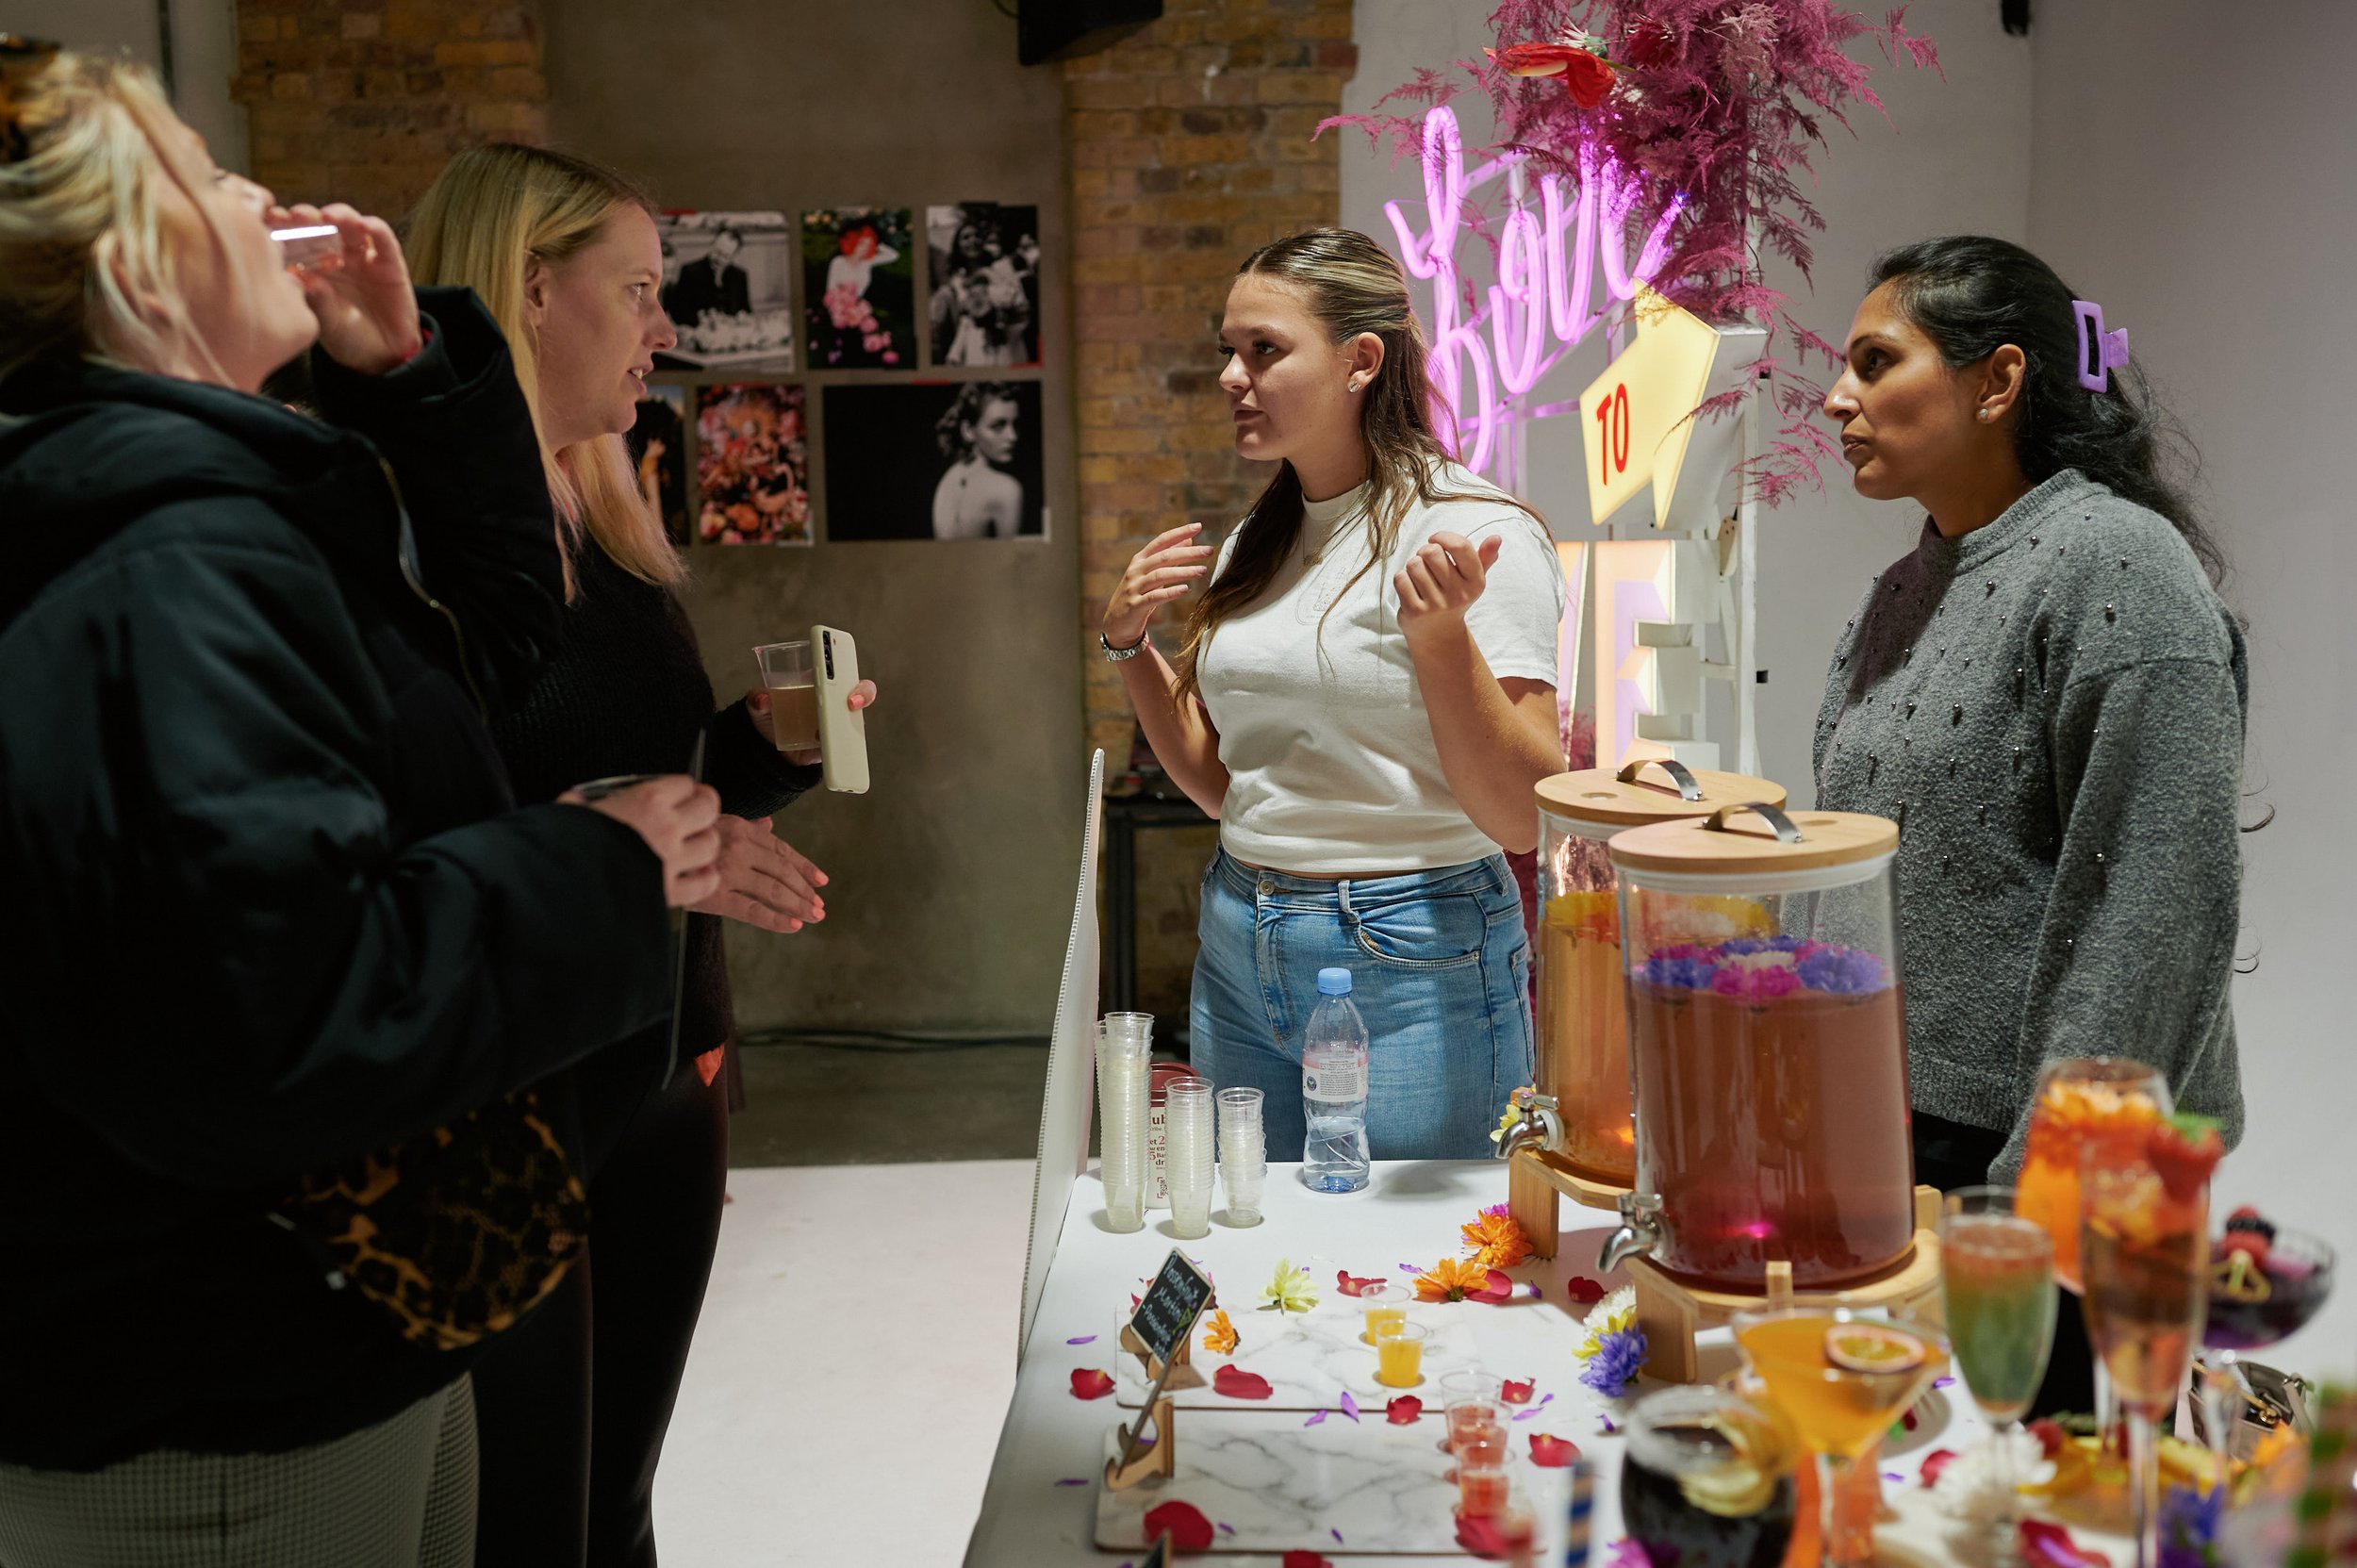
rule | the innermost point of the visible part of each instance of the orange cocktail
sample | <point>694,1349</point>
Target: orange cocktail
<point>1583,1033</point>
<point>1399,1357</point>
<point>2106,1104</point>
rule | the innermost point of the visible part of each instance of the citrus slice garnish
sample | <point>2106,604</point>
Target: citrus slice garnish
<point>1871,1347</point>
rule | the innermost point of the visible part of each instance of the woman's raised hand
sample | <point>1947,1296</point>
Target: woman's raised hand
<point>368,316</point>
<point>1164,571</point>
<point>677,817</point>
<point>1442,579</point>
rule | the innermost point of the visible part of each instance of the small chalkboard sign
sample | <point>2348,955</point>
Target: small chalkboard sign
<point>1167,1312</point>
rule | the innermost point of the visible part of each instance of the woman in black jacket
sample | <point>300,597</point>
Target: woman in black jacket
<point>270,905</point>
<point>574,1408</point>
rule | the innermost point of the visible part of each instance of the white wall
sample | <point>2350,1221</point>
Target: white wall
<point>2201,194</point>
<point>204,47</point>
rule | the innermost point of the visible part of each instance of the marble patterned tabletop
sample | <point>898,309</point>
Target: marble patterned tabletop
<point>1312,1359</point>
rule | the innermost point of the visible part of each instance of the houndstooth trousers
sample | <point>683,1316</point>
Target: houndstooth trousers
<point>398,1494</point>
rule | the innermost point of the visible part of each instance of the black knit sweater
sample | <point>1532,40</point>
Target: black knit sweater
<point>626,693</point>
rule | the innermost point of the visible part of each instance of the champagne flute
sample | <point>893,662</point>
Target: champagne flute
<point>1997,1281</point>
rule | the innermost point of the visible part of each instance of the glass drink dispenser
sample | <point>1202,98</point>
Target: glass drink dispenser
<point>1769,1048</point>
<point>1583,1034</point>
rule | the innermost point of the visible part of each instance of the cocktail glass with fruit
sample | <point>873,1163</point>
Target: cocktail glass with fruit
<point>1997,1280</point>
<point>2266,1283</point>
<point>1841,1374</point>
<point>2145,1250</point>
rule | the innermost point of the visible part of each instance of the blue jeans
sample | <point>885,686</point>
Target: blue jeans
<point>1439,970</point>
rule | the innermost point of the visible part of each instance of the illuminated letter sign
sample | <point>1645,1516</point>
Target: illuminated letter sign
<point>1636,416</point>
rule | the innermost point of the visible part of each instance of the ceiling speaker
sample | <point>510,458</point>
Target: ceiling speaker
<point>1060,29</point>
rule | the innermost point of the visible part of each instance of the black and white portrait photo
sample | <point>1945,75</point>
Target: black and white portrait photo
<point>985,283</point>
<point>728,285</point>
<point>934,461</point>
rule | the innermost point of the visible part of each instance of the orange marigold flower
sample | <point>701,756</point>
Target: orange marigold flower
<point>1450,1280</point>
<point>1496,1240</point>
<point>1220,1338</point>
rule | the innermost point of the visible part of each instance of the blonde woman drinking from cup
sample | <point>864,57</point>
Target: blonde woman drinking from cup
<point>1364,698</point>
<point>271,909</point>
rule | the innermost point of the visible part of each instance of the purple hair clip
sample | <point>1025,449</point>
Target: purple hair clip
<point>2099,351</point>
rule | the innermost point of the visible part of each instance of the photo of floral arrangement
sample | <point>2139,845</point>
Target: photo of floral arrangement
<point>859,288</point>
<point>752,464</point>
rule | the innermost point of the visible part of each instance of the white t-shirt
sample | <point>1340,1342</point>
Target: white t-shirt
<point>1331,765</point>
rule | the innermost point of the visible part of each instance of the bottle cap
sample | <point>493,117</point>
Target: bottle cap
<point>1333,982</point>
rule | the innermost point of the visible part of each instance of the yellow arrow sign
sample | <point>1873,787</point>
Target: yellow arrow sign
<point>1634,416</point>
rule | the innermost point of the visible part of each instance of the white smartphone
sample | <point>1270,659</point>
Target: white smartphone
<point>842,733</point>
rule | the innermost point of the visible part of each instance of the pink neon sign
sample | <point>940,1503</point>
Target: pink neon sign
<point>1546,273</point>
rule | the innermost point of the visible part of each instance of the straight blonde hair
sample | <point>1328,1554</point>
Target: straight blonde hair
<point>491,212</point>
<point>85,269</point>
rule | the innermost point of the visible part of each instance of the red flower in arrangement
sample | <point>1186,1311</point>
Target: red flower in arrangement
<point>1355,1284</point>
<point>1583,1292</point>
<point>1189,1531</point>
<point>1552,1453</point>
<point>1229,1383</point>
<point>1936,1461</point>
<point>1517,1394</point>
<point>1587,75</point>
<point>1089,1383</point>
<point>1402,1410</point>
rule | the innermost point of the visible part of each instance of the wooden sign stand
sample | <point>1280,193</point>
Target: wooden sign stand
<point>1161,1458</point>
<point>1672,1314</point>
<point>1536,1182</point>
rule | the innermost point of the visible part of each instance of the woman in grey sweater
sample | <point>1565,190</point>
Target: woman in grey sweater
<point>2049,696</point>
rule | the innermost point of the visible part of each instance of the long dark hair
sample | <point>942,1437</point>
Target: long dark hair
<point>1972,295</point>
<point>1352,286</point>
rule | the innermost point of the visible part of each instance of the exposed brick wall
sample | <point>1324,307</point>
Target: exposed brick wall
<point>1189,144</point>
<point>364,101</point>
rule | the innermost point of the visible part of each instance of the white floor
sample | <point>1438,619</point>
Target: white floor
<point>851,1370</point>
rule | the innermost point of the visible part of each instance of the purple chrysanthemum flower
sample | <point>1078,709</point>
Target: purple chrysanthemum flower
<point>1844,971</point>
<point>1618,1360</point>
<point>1680,974</point>
<point>2188,1527</point>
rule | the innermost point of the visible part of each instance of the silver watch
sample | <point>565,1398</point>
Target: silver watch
<point>1114,655</point>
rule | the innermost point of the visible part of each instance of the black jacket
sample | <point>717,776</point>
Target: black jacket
<point>264,902</point>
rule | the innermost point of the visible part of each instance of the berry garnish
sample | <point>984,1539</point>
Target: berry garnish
<point>2251,1243</point>
<point>2050,1435</point>
<point>2184,1149</point>
<point>2248,1219</point>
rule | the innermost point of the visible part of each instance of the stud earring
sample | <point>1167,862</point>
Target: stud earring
<point>1987,414</point>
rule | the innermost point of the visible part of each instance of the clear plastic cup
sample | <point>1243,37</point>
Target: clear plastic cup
<point>1243,1154</point>
<point>1188,1136</point>
<point>1123,1053</point>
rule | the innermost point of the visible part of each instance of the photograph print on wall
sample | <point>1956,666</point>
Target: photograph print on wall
<point>985,284</point>
<point>752,464</point>
<point>934,460</point>
<point>728,285</point>
<point>859,285</point>
<point>658,450</point>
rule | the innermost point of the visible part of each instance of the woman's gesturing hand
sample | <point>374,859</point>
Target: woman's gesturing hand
<point>677,817</point>
<point>368,316</point>
<point>763,880</point>
<point>1442,580</point>
<point>1164,571</point>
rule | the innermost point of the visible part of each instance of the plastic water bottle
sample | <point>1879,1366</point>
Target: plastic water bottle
<point>1334,1090</point>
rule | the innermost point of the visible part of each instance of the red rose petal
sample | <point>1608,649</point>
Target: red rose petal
<point>1934,1461</point>
<point>1479,1534</point>
<point>1402,1410</point>
<point>1089,1383</point>
<point>1299,1559</point>
<point>1499,1288</point>
<point>1355,1284</point>
<point>1189,1531</point>
<point>1585,1292</point>
<point>1553,1453</point>
<point>1517,1394</point>
<point>2049,1546</point>
<point>1232,1384</point>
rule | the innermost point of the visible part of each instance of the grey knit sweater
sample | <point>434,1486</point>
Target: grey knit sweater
<point>2051,708</point>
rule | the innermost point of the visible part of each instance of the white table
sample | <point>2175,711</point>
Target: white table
<point>1408,1214</point>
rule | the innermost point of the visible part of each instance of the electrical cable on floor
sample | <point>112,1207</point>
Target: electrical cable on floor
<point>885,1041</point>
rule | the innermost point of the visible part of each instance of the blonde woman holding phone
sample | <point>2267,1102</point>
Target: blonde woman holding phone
<point>1364,697</point>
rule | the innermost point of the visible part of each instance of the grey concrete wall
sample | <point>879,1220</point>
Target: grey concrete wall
<point>952,880</point>
<point>204,53</point>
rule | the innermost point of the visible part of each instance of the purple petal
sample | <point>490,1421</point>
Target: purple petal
<point>1943,1382</point>
<point>1536,1293</point>
<point>1074,1480</point>
<point>1894,1476</point>
<point>1524,1415</point>
<point>1351,1406</point>
<point>1608,1427</point>
<point>1316,1419</point>
<point>1226,1529</point>
<point>1084,1339</point>
<point>1337,1535</point>
<point>1411,1268</point>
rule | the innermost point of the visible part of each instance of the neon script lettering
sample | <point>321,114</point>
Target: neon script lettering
<point>1545,278</point>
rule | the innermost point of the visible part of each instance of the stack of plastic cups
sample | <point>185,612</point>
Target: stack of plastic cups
<point>1125,1044</point>
<point>1187,1142</point>
<point>1243,1154</point>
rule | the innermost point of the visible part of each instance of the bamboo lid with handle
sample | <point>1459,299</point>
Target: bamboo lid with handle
<point>1650,790</point>
<point>1743,838</point>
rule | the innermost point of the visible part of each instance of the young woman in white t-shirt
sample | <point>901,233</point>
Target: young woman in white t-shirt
<point>1364,698</point>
